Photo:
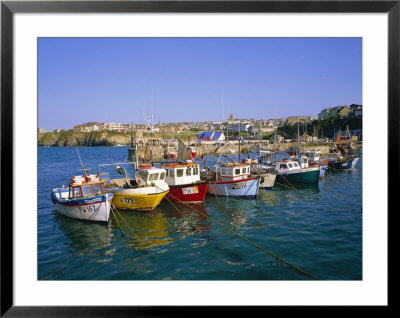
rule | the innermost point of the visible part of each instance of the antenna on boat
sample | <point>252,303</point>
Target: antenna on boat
<point>82,165</point>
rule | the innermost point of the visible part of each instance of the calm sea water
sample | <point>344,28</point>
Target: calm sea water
<point>317,228</point>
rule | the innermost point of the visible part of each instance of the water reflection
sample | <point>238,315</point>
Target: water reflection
<point>144,229</point>
<point>86,237</point>
<point>309,188</point>
<point>267,197</point>
<point>184,216</point>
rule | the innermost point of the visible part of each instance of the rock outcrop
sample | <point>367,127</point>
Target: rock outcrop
<point>76,139</point>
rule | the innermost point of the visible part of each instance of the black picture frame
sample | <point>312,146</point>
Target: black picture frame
<point>8,8</point>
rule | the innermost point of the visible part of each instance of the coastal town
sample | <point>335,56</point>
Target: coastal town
<point>282,130</point>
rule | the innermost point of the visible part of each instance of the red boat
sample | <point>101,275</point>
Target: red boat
<point>192,152</point>
<point>184,182</point>
<point>169,156</point>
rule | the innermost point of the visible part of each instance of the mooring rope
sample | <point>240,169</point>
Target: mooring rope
<point>277,258</point>
<point>137,241</point>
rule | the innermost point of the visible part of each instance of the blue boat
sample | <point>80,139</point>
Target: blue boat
<point>338,162</point>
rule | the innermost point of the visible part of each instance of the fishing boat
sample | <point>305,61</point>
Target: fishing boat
<point>314,158</point>
<point>338,162</point>
<point>192,153</point>
<point>311,158</point>
<point>169,155</point>
<point>264,173</point>
<point>184,182</point>
<point>232,179</point>
<point>84,199</point>
<point>290,171</point>
<point>143,192</point>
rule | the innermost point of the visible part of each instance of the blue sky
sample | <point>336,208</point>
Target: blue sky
<point>183,79</point>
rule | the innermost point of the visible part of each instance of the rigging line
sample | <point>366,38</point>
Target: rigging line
<point>193,227</point>
<point>281,260</point>
<point>140,244</point>
<point>137,241</point>
<point>119,226</point>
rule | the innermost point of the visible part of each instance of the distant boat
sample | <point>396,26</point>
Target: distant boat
<point>143,192</point>
<point>184,182</point>
<point>192,152</point>
<point>84,199</point>
<point>338,162</point>
<point>169,154</point>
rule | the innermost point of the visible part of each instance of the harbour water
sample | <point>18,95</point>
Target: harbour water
<point>317,228</point>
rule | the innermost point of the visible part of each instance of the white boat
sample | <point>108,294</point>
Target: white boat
<point>84,199</point>
<point>233,179</point>
<point>264,173</point>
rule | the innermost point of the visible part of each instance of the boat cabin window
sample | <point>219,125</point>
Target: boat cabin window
<point>153,176</point>
<point>188,171</point>
<point>290,165</point>
<point>195,171</point>
<point>143,175</point>
<point>97,188</point>
<point>77,192</point>
<point>237,171</point>
<point>283,166</point>
<point>295,165</point>
<point>87,190</point>
<point>166,172</point>
<point>162,175</point>
<point>171,172</point>
<point>179,172</point>
<point>223,171</point>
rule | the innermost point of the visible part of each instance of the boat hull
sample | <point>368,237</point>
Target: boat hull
<point>92,209</point>
<point>341,164</point>
<point>129,200</point>
<point>307,177</point>
<point>193,193</point>
<point>267,181</point>
<point>355,160</point>
<point>246,188</point>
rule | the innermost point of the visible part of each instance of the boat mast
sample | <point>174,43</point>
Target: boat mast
<point>82,165</point>
<point>239,140</point>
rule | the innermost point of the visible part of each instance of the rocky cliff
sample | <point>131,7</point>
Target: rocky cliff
<point>75,139</point>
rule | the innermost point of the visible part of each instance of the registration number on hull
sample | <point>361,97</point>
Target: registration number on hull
<point>127,201</point>
<point>240,185</point>
<point>87,209</point>
<point>190,190</point>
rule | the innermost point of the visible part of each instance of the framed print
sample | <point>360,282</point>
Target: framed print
<point>161,155</point>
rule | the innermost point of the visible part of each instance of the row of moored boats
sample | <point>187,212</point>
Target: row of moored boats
<point>90,197</point>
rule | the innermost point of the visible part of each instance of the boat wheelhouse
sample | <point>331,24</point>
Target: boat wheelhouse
<point>184,182</point>
<point>85,198</point>
<point>234,179</point>
<point>291,171</point>
<point>144,192</point>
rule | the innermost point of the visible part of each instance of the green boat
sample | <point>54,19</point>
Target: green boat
<point>289,171</point>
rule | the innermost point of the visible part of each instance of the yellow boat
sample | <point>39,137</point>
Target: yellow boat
<point>127,199</point>
<point>142,193</point>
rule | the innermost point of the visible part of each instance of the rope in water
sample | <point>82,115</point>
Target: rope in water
<point>277,258</point>
<point>137,241</point>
